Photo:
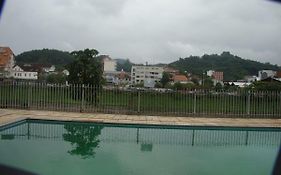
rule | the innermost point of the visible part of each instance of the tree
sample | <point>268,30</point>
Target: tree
<point>208,83</point>
<point>178,86</point>
<point>56,78</point>
<point>83,138</point>
<point>126,65</point>
<point>165,79</point>
<point>85,69</point>
<point>266,86</point>
<point>158,85</point>
<point>218,86</point>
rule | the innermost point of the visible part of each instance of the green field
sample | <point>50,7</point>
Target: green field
<point>181,103</point>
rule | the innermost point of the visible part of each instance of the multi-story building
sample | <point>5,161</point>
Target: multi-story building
<point>109,65</point>
<point>142,74</point>
<point>7,62</point>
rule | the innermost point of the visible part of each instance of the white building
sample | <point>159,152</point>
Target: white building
<point>19,73</point>
<point>263,74</point>
<point>109,65</point>
<point>141,74</point>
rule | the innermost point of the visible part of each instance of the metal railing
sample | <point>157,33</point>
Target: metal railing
<point>87,98</point>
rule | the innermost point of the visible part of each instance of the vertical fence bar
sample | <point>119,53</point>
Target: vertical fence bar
<point>248,102</point>
<point>139,101</point>
<point>194,103</point>
<point>82,89</point>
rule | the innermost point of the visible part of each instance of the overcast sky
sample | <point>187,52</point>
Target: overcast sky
<point>146,30</point>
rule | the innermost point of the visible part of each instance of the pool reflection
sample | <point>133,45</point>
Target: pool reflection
<point>83,138</point>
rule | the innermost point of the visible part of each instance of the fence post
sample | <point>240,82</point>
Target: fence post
<point>139,101</point>
<point>82,99</point>
<point>248,102</point>
<point>194,103</point>
<point>28,95</point>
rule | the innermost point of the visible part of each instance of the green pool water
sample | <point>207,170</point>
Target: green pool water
<point>46,147</point>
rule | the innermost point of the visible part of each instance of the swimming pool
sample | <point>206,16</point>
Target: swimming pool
<point>48,147</point>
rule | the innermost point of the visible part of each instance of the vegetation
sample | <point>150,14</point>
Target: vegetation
<point>85,69</point>
<point>56,78</point>
<point>265,86</point>
<point>126,65</point>
<point>165,79</point>
<point>83,138</point>
<point>234,67</point>
<point>45,56</point>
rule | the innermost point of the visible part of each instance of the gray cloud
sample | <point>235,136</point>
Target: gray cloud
<point>146,30</point>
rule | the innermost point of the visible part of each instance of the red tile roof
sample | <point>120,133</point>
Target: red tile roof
<point>179,78</point>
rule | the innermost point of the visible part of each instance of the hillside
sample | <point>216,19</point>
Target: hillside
<point>45,56</point>
<point>234,67</point>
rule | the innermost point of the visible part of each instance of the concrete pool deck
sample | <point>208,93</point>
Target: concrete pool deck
<point>12,115</point>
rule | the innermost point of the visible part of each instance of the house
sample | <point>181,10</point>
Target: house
<point>180,79</point>
<point>123,77</point>
<point>263,74</point>
<point>141,73</point>
<point>24,74</point>
<point>7,62</point>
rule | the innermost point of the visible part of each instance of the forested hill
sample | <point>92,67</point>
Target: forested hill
<point>45,56</point>
<point>234,67</point>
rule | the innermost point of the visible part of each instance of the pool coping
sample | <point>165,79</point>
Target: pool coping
<point>9,116</point>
